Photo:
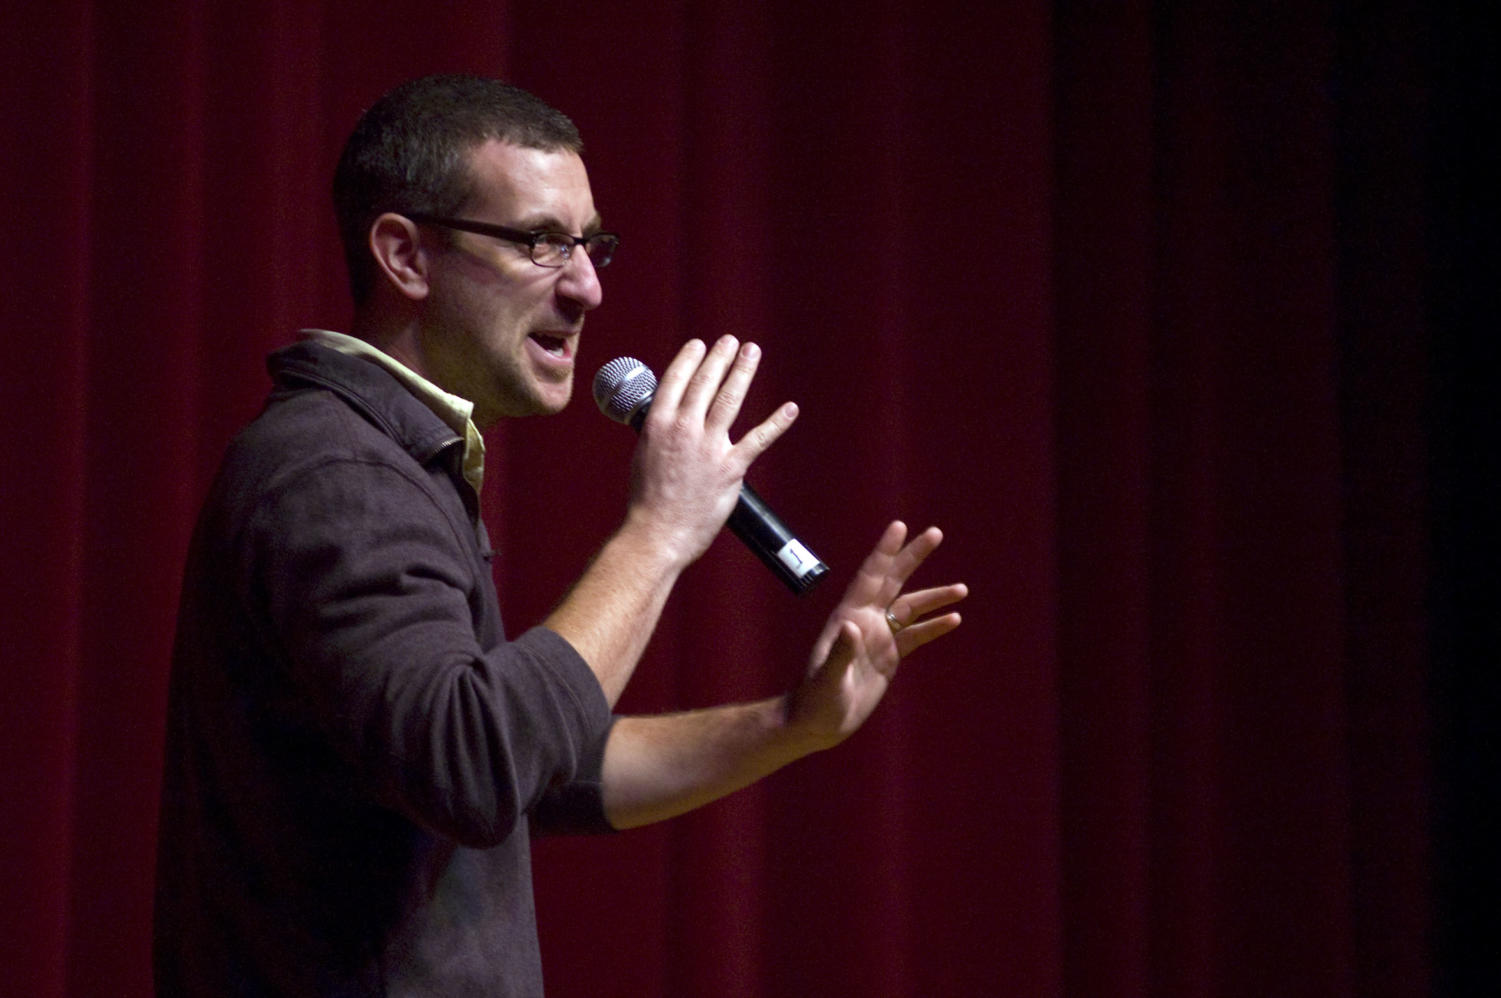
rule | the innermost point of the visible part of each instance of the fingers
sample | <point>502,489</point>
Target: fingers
<point>909,608</point>
<point>886,571</point>
<point>709,390</point>
<point>912,610</point>
<point>914,636</point>
<point>724,405</point>
<point>674,380</point>
<point>877,566</point>
<point>707,387</point>
<point>889,565</point>
<point>766,433</point>
<point>916,552</point>
<point>892,623</point>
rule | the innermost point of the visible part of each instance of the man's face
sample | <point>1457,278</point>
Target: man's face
<point>498,329</point>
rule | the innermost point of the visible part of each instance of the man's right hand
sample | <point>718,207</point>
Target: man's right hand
<point>685,480</point>
<point>686,473</point>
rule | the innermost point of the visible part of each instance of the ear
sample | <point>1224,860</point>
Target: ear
<point>399,254</point>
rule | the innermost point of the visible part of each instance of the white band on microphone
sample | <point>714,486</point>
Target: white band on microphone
<point>798,558</point>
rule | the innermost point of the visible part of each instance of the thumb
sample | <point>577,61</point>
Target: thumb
<point>846,647</point>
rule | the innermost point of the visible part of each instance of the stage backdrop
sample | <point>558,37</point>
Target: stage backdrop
<point>1124,296</point>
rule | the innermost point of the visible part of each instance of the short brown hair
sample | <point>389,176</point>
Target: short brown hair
<point>407,153</point>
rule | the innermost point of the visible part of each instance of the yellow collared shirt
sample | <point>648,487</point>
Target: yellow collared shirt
<point>457,412</point>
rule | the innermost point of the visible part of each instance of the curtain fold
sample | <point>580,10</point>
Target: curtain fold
<point>1126,297</point>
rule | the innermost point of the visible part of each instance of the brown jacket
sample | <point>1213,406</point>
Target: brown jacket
<point>356,755</point>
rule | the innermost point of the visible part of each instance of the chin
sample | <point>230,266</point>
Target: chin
<point>561,396</point>
<point>551,400</point>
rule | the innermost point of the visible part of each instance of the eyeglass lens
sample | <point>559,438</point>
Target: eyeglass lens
<point>552,249</point>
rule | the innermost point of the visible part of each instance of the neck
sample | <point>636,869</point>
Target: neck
<point>399,339</point>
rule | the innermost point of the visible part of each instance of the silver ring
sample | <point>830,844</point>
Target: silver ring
<point>892,622</point>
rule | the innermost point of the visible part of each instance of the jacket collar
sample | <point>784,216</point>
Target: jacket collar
<point>368,389</point>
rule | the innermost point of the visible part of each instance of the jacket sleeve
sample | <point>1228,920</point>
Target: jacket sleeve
<point>372,592</point>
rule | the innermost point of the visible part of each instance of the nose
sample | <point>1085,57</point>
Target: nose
<point>578,281</point>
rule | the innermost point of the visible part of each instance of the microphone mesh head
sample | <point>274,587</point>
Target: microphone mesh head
<point>622,387</point>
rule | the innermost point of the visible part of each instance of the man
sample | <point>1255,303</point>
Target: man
<point>357,755</point>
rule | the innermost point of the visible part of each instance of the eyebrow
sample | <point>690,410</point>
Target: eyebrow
<point>551,223</point>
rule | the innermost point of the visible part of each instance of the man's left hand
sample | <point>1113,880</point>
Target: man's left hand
<point>874,627</point>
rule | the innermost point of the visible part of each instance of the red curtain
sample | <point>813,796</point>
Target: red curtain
<point>1124,296</point>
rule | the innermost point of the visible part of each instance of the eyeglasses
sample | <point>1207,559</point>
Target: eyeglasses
<point>547,249</point>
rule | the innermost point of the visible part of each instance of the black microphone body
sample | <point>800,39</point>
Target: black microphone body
<point>623,389</point>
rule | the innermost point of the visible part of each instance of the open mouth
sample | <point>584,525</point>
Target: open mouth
<point>556,346</point>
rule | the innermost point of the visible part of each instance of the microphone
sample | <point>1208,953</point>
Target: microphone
<point>623,390</point>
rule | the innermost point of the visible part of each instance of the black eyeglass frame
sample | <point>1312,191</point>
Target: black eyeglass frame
<point>609,240</point>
